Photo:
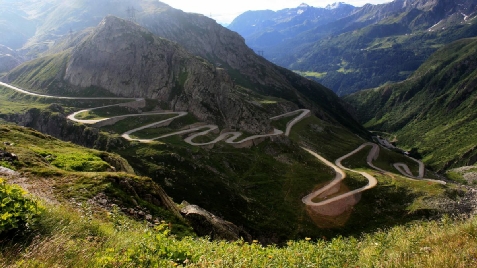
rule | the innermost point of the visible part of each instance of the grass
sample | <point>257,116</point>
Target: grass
<point>281,124</point>
<point>12,102</point>
<point>42,151</point>
<point>259,188</point>
<point>387,158</point>
<point>134,122</point>
<point>317,134</point>
<point>311,74</point>
<point>174,126</point>
<point>441,129</point>
<point>68,237</point>
<point>76,174</point>
<point>105,113</point>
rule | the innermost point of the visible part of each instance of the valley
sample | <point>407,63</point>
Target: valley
<point>133,134</point>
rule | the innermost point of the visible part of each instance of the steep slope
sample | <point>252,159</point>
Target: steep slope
<point>434,110</point>
<point>160,69</point>
<point>61,22</point>
<point>125,60</point>
<point>375,43</point>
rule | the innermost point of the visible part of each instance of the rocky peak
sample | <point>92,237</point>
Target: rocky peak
<point>335,5</point>
<point>129,61</point>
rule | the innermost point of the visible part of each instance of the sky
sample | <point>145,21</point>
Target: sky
<point>225,11</point>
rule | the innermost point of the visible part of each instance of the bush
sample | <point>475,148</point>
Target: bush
<point>16,209</point>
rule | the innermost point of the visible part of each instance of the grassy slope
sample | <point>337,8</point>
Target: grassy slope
<point>75,175</point>
<point>69,235</point>
<point>73,238</point>
<point>260,188</point>
<point>434,110</point>
<point>12,102</point>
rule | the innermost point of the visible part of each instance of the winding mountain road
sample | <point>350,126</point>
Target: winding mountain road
<point>228,137</point>
<point>232,137</point>
<point>372,181</point>
<point>341,175</point>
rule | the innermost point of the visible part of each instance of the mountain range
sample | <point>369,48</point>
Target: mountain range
<point>353,48</point>
<point>80,61</point>
<point>184,63</point>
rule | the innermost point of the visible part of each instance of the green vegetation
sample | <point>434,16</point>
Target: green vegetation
<point>281,124</point>
<point>311,74</point>
<point>74,173</point>
<point>259,188</point>
<point>433,111</point>
<point>174,126</point>
<point>18,210</point>
<point>464,175</point>
<point>105,112</point>
<point>12,102</point>
<point>41,72</point>
<point>375,54</point>
<point>263,185</point>
<point>135,121</point>
<point>44,151</point>
<point>68,237</point>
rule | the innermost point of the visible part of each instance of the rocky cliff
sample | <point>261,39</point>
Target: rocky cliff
<point>129,61</point>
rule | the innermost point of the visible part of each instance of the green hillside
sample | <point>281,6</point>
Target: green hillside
<point>84,221</point>
<point>259,188</point>
<point>371,56</point>
<point>434,110</point>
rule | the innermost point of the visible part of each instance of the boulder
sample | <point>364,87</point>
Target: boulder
<point>207,224</point>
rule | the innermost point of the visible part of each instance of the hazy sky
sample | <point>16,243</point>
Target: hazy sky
<point>225,11</point>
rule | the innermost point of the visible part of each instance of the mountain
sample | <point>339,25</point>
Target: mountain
<point>373,44</point>
<point>189,67</point>
<point>120,58</point>
<point>434,110</point>
<point>264,29</point>
<point>98,62</point>
<point>63,24</point>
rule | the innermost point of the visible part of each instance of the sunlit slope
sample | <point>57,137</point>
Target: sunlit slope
<point>434,110</point>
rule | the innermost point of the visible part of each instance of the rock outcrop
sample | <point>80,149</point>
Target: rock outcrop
<point>129,61</point>
<point>207,224</point>
<point>52,121</point>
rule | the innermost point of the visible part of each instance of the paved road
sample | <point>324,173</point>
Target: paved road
<point>303,114</point>
<point>229,137</point>
<point>340,175</point>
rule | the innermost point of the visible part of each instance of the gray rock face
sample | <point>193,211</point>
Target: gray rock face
<point>207,224</point>
<point>129,61</point>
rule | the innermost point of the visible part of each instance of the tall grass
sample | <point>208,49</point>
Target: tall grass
<point>75,238</point>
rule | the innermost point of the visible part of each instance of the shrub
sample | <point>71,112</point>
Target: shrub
<point>16,209</point>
